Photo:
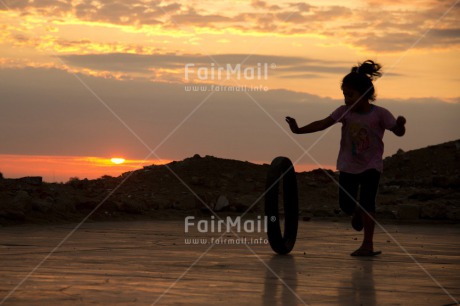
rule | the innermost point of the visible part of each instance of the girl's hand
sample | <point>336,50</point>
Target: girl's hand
<point>292,124</point>
<point>399,129</point>
<point>400,121</point>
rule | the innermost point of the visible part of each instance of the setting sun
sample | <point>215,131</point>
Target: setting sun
<point>117,160</point>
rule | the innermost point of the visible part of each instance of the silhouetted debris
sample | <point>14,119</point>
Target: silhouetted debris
<point>422,183</point>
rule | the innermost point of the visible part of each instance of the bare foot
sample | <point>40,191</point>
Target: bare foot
<point>366,249</point>
<point>365,252</point>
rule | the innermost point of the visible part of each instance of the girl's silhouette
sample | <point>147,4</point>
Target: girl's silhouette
<point>361,147</point>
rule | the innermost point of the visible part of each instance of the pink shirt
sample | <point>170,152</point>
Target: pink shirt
<point>361,146</point>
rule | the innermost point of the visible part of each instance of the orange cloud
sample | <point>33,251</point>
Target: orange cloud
<point>374,25</point>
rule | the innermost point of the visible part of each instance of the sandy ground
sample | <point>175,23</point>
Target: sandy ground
<point>150,263</point>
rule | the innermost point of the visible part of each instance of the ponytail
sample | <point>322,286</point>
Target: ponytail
<point>369,68</point>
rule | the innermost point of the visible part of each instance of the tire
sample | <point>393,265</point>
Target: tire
<point>282,170</point>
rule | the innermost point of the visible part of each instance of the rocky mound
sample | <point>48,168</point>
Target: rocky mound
<point>422,183</point>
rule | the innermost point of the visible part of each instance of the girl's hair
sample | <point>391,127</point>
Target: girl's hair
<point>360,78</point>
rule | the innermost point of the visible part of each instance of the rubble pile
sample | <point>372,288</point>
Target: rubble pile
<point>422,184</point>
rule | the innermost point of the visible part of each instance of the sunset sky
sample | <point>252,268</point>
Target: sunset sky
<point>83,81</point>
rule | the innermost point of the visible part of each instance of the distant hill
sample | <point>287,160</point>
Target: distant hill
<point>420,184</point>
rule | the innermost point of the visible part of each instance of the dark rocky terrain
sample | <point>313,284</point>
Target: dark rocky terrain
<point>422,184</point>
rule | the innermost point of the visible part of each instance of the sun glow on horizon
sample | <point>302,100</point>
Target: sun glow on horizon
<point>60,168</point>
<point>117,160</point>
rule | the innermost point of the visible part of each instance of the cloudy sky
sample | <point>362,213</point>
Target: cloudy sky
<point>83,81</point>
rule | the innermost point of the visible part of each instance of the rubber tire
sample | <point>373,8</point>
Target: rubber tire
<point>281,169</point>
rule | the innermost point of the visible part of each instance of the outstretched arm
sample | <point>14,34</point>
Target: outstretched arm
<point>310,128</point>
<point>399,129</point>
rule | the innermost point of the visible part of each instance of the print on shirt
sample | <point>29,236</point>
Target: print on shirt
<point>360,138</point>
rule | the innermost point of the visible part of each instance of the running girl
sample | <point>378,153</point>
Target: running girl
<point>361,148</point>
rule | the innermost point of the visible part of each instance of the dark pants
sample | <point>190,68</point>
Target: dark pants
<point>368,184</point>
